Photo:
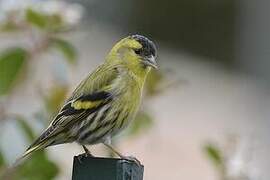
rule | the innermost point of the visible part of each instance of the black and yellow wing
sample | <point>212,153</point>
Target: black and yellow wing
<point>71,113</point>
<point>91,94</point>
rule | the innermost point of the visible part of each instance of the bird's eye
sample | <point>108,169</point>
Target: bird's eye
<point>138,51</point>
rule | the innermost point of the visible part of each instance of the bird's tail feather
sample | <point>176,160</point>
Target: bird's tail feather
<point>40,143</point>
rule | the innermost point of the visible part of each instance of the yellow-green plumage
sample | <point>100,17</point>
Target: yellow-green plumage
<point>107,100</point>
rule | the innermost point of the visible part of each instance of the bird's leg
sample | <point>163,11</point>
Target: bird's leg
<point>129,158</point>
<point>87,152</point>
<point>113,150</point>
<point>108,144</point>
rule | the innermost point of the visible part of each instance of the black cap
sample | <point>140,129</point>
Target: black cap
<point>148,47</point>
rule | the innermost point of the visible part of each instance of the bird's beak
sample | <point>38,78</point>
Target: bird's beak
<point>151,61</point>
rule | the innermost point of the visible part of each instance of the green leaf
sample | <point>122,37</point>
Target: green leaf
<point>66,48</point>
<point>36,18</point>
<point>214,154</point>
<point>26,129</point>
<point>142,122</point>
<point>11,61</point>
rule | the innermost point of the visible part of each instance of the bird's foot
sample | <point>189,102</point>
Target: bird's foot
<point>127,158</point>
<point>85,155</point>
<point>87,152</point>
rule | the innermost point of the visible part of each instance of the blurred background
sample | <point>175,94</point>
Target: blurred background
<point>204,113</point>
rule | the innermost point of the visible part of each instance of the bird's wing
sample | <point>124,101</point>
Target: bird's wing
<point>72,112</point>
<point>88,97</point>
<point>91,94</point>
<point>81,106</point>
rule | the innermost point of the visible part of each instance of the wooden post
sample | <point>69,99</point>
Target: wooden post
<point>97,168</point>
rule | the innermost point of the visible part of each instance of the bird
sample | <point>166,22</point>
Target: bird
<point>106,101</point>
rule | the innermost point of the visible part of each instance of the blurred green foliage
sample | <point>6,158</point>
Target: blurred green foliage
<point>11,62</point>
<point>2,163</point>
<point>67,49</point>
<point>214,154</point>
<point>52,22</point>
<point>2,160</point>
<point>12,59</point>
<point>37,19</point>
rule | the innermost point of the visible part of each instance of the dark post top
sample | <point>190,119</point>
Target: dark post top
<point>97,168</point>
